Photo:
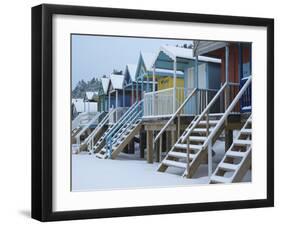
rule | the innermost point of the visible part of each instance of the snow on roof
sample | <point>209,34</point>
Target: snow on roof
<point>90,95</point>
<point>178,52</point>
<point>148,59</point>
<point>79,106</point>
<point>105,84</point>
<point>132,68</point>
<point>117,81</point>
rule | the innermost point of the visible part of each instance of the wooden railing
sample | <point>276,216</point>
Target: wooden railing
<point>213,132</point>
<point>161,102</point>
<point>175,114</point>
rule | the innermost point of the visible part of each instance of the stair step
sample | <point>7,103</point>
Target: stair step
<point>202,130</point>
<point>211,122</point>
<point>228,166</point>
<point>180,154</point>
<point>219,179</point>
<point>191,146</point>
<point>174,163</point>
<point>246,131</point>
<point>101,156</point>
<point>197,138</point>
<point>235,154</point>
<point>242,142</point>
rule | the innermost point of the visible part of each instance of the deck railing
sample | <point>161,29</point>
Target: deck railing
<point>160,103</point>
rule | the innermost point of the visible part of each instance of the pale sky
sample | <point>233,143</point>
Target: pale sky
<point>94,56</point>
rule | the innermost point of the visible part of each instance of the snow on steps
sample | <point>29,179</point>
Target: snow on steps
<point>177,157</point>
<point>237,159</point>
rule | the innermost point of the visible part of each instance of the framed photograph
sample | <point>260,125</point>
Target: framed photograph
<point>146,112</point>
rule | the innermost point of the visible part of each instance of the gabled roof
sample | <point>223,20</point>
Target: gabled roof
<point>105,84</point>
<point>178,52</point>
<point>117,81</point>
<point>79,106</point>
<point>148,59</point>
<point>89,95</point>
<point>132,68</point>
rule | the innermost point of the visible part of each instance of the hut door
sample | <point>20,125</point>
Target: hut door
<point>246,100</point>
<point>190,85</point>
<point>202,76</point>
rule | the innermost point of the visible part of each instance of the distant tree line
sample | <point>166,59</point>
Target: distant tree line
<point>82,87</point>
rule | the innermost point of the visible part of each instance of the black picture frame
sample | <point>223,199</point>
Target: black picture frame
<point>42,111</point>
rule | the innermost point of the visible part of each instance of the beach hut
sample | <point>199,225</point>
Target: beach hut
<point>130,92</point>
<point>163,78</point>
<point>116,90</point>
<point>180,62</point>
<point>235,67</point>
<point>77,106</point>
<point>103,95</point>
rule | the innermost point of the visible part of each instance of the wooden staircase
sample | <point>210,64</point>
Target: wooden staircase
<point>194,146</point>
<point>178,157</point>
<point>82,134</point>
<point>101,141</point>
<point>119,138</point>
<point>237,160</point>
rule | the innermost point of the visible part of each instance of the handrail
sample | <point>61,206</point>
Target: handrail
<point>134,114</point>
<point>101,124</point>
<point>123,118</point>
<point>228,111</point>
<point>207,108</point>
<point>87,125</point>
<point>175,114</point>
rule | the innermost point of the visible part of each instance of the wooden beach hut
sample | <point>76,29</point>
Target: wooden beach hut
<point>236,67</point>
<point>103,95</point>
<point>181,63</point>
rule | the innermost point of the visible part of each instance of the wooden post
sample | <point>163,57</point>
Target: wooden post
<point>137,91</point>
<point>142,143</point>
<point>210,159</point>
<point>227,90</point>
<point>175,81</point>
<point>109,97</point>
<point>228,138</point>
<point>173,134</point>
<point>133,99</point>
<point>178,126</point>
<point>116,99</point>
<point>187,156</point>
<point>196,83</point>
<point>149,146</point>
<point>153,89</point>
<point>124,97</point>
<point>131,147</point>
<point>168,141</point>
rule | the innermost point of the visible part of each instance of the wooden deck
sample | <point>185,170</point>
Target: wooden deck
<point>152,125</point>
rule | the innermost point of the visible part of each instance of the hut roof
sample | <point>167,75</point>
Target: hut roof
<point>117,81</point>
<point>178,52</point>
<point>132,69</point>
<point>105,84</point>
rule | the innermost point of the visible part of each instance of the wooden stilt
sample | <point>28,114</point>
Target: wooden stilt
<point>131,147</point>
<point>228,138</point>
<point>142,143</point>
<point>149,146</point>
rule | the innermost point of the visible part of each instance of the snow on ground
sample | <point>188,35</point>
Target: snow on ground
<point>128,171</point>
